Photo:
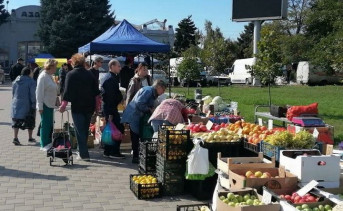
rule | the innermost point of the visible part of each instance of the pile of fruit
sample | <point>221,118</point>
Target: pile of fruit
<point>301,140</point>
<point>223,135</point>
<point>305,207</point>
<point>238,200</point>
<point>258,174</point>
<point>196,128</point>
<point>149,186</point>
<point>177,139</point>
<point>296,199</point>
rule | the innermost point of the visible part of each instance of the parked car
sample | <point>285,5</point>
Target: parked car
<point>212,80</point>
<point>159,75</point>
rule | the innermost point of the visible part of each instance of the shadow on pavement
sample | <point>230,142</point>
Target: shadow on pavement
<point>30,175</point>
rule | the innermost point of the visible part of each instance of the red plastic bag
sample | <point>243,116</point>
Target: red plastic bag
<point>116,134</point>
<point>296,111</point>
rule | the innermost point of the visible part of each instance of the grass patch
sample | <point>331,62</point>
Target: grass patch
<point>329,98</point>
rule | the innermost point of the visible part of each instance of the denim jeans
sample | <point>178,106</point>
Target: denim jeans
<point>157,123</point>
<point>81,122</point>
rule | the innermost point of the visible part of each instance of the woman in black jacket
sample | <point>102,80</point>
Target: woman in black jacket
<point>111,97</point>
<point>81,90</point>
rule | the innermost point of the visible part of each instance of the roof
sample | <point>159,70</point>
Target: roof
<point>123,38</point>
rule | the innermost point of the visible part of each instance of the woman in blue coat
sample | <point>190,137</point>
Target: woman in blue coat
<point>23,104</point>
<point>142,103</point>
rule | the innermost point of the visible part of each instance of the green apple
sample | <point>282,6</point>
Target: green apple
<point>243,204</point>
<point>250,202</point>
<point>230,196</point>
<point>298,208</point>
<point>231,204</point>
<point>246,197</point>
<point>321,208</point>
<point>222,198</point>
<point>256,203</point>
<point>256,200</point>
<point>315,209</point>
<point>327,207</point>
<point>226,201</point>
<point>234,200</point>
<point>304,206</point>
<point>253,197</point>
<point>307,209</point>
<point>258,174</point>
<point>261,203</point>
<point>239,198</point>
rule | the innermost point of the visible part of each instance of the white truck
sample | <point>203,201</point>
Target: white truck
<point>239,73</point>
<point>312,75</point>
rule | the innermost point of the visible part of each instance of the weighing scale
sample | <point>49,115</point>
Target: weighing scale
<point>308,121</point>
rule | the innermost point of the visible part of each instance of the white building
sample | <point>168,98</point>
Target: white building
<point>18,36</point>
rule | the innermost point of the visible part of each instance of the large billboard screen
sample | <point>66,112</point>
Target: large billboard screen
<point>250,10</point>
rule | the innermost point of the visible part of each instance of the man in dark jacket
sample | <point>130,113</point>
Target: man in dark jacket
<point>95,68</point>
<point>126,74</point>
<point>111,97</point>
<point>16,69</point>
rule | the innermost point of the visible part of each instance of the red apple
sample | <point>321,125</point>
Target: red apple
<point>288,197</point>
<point>196,128</point>
<point>302,201</point>
<point>222,125</point>
<point>217,127</point>
<point>203,128</point>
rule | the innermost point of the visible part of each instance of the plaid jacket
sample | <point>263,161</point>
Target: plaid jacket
<point>169,110</point>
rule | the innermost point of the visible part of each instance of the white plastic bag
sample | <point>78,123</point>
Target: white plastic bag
<point>197,162</point>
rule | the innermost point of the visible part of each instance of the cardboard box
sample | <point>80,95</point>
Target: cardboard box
<point>308,168</point>
<point>327,149</point>
<point>127,135</point>
<point>285,180</point>
<point>196,119</point>
<point>225,164</point>
<point>221,206</point>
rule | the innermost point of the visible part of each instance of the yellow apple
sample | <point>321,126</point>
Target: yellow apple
<point>258,174</point>
<point>249,173</point>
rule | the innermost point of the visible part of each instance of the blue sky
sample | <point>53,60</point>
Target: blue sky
<point>139,11</point>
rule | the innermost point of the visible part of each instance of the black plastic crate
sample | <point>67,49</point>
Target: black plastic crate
<point>145,191</point>
<point>251,147</point>
<point>173,189</point>
<point>170,176</point>
<point>148,147</point>
<point>147,164</point>
<point>170,165</point>
<point>202,189</point>
<point>170,136</point>
<point>172,152</point>
<point>192,207</point>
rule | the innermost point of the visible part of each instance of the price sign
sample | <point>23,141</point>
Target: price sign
<point>270,124</point>
<point>260,123</point>
<point>240,131</point>
<point>266,197</point>
<point>297,129</point>
<point>179,127</point>
<point>209,125</point>
<point>315,133</point>
<point>307,188</point>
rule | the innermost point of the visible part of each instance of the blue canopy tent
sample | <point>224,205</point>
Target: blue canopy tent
<point>124,38</point>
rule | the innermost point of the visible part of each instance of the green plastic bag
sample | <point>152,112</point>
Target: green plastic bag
<point>145,129</point>
<point>106,136</point>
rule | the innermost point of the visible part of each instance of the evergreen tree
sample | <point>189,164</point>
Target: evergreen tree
<point>3,13</point>
<point>185,34</point>
<point>67,25</point>
<point>245,42</point>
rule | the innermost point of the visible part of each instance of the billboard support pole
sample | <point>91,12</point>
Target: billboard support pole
<point>257,35</point>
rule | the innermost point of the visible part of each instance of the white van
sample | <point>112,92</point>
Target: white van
<point>309,74</point>
<point>239,72</point>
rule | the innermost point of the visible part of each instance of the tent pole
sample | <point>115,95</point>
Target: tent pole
<point>152,67</point>
<point>169,84</point>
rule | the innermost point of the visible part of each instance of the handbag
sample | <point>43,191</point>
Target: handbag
<point>106,136</point>
<point>116,134</point>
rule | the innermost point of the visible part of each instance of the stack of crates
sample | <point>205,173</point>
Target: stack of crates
<point>172,151</point>
<point>147,156</point>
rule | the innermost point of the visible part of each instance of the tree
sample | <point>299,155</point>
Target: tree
<point>3,13</point>
<point>189,69</point>
<point>67,25</point>
<point>325,29</point>
<point>218,53</point>
<point>245,42</point>
<point>185,34</point>
<point>269,62</point>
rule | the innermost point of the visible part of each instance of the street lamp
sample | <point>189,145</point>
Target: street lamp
<point>7,5</point>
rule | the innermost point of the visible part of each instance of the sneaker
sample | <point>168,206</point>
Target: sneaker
<point>47,147</point>
<point>117,156</point>
<point>83,159</point>
<point>16,142</point>
<point>32,140</point>
<point>105,155</point>
<point>135,160</point>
